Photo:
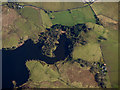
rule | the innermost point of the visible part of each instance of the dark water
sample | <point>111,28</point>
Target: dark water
<point>13,61</point>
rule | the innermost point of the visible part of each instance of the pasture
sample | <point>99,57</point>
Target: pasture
<point>63,17</point>
<point>90,52</point>
<point>39,73</point>
<point>10,40</point>
<point>110,52</point>
<point>108,9</point>
<point>46,22</point>
<point>32,15</point>
<point>83,15</point>
<point>73,17</point>
<point>56,6</point>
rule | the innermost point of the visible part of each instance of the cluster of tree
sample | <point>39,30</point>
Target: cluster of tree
<point>100,38</point>
<point>99,71</point>
<point>83,63</point>
<point>76,34</point>
<point>11,4</point>
<point>14,5</point>
<point>49,38</point>
<point>100,79</point>
<point>69,11</point>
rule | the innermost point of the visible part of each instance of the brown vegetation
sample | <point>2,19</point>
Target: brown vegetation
<point>76,74</point>
<point>108,22</point>
<point>8,16</point>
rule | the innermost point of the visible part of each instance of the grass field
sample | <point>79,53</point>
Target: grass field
<point>36,16</point>
<point>39,73</point>
<point>23,26</point>
<point>77,16</point>
<point>109,9</point>
<point>45,19</point>
<point>90,52</point>
<point>43,76</point>
<point>36,21</point>
<point>55,6</point>
<point>68,77</point>
<point>10,41</point>
<point>97,30</point>
<point>109,49</point>
<point>27,29</point>
<point>110,52</point>
<point>83,15</point>
<point>32,15</point>
<point>29,25</point>
<point>64,18</point>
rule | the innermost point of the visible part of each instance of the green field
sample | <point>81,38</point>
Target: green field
<point>109,49</point>
<point>46,22</point>
<point>36,16</point>
<point>10,40</point>
<point>73,17</point>
<point>26,26</point>
<point>23,26</point>
<point>27,30</point>
<point>108,9</point>
<point>39,73</point>
<point>90,52</point>
<point>64,18</point>
<point>97,31</point>
<point>110,52</point>
<point>55,6</point>
<point>83,15</point>
<point>44,75</point>
<point>32,15</point>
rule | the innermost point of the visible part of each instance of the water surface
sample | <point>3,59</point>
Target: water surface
<point>13,61</point>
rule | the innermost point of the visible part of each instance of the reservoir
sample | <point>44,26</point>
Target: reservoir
<point>13,61</point>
